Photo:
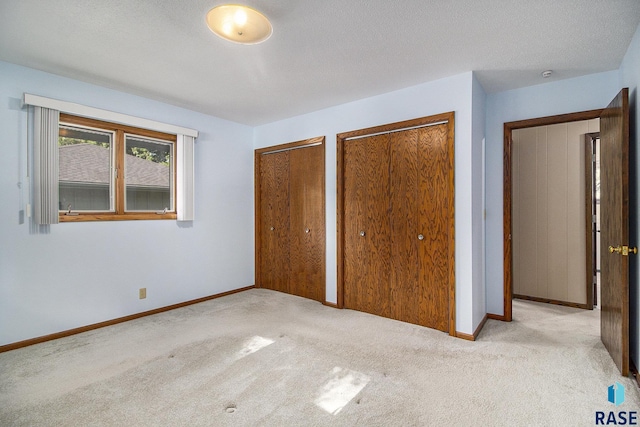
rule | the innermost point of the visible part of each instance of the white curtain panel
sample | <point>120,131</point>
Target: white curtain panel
<point>45,170</point>
<point>185,177</point>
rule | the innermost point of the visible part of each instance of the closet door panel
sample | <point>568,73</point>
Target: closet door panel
<point>404,287</point>
<point>274,203</point>
<point>307,231</point>
<point>434,213</point>
<point>367,227</point>
<point>378,236</point>
<point>356,256</point>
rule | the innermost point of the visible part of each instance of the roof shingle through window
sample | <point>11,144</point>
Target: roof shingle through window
<point>90,163</point>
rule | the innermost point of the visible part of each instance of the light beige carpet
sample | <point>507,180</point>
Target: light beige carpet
<point>265,358</point>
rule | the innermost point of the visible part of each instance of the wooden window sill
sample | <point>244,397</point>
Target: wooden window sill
<point>117,217</point>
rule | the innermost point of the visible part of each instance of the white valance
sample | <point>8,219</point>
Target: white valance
<point>106,115</point>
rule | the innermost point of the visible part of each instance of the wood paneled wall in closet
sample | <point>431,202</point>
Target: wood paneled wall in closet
<point>548,211</point>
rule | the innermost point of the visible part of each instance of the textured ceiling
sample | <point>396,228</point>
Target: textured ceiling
<point>322,53</point>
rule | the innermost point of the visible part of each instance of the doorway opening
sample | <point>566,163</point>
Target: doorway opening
<point>509,129</point>
<point>552,212</point>
<point>614,224</point>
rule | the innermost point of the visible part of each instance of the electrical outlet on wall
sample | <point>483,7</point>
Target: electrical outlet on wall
<point>143,293</point>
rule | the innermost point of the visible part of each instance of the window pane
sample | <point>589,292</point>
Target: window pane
<point>85,157</point>
<point>148,174</point>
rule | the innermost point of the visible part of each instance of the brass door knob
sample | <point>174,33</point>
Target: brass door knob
<point>623,250</point>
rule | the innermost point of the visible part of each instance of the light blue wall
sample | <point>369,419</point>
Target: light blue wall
<point>565,96</point>
<point>83,273</point>
<point>450,94</point>
<point>478,134</point>
<point>630,77</point>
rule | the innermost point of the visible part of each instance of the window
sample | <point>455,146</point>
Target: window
<point>113,172</point>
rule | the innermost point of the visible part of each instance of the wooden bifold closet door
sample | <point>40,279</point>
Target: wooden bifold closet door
<point>290,224</point>
<point>397,222</point>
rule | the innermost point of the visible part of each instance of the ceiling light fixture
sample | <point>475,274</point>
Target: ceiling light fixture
<point>546,74</point>
<point>239,24</point>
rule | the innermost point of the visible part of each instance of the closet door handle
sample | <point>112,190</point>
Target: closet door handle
<point>420,237</point>
<point>307,230</point>
<point>272,228</point>
<point>362,233</point>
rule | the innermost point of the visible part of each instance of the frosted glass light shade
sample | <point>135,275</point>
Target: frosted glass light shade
<point>239,24</point>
